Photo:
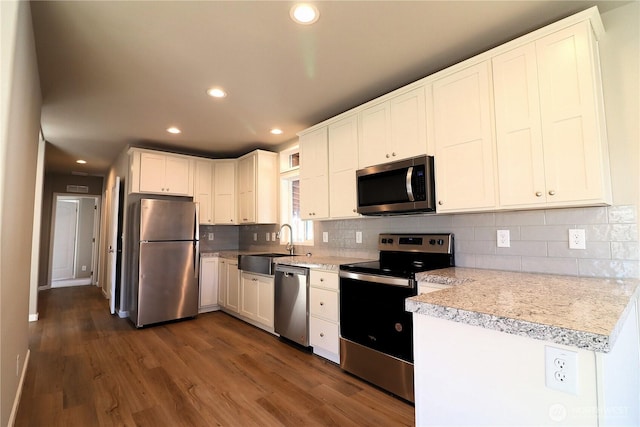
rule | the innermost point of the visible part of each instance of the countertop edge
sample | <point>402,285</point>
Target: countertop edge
<point>523,328</point>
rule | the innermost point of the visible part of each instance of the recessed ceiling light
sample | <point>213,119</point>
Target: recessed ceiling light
<point>216,92</point>
<point>304,13</point>
<point>276,131</point>
<point>174,130</point>
<point>82,162</point>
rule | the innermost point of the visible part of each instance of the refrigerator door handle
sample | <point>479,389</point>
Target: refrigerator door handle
<point>196,258</point>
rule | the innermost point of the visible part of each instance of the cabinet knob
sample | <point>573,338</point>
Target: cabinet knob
<point>440,202</point>
<point>321,303</point>
<point>388,156</point>
<point>552,193</point>
<point>393,154</point>
<point>321,334</point>
<point>354,210</point>
<point>322,279</point>
<point>538,193</point>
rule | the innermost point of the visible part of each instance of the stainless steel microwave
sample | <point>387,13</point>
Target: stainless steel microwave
<point>401,187</point>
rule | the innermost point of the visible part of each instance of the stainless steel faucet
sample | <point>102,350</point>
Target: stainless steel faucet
<point>289,246</point>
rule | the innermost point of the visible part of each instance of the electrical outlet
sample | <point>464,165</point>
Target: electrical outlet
<point>577,239</point>
<point>84,268</point>
<point>325,237</point>
<point>255,237</point>
<point>267,236</point>
<point>561,369</point>
<point>358,236</point>
<point>504,238</point>
<point>273,236</point>
<point>210,236</point>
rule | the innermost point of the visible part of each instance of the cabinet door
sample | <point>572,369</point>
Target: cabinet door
<point>222,282</point>
<point>208,282</point>
<point>314,182</point>
<point>246,187</point>
<point>224,203</point>
<point>264,312</point>
<point>408,125</point>
<point>177,176</point>
<point>464,145</point>
<point>203,193</point>
<point>572,128</point>
<point>343,163</point>
<point>323,303</point>
<point>152,173</point>
<point>375,128</point>
<point>325,335</point>
<point>518,130</point>
<point>233,286</point>
<point>249,295</point>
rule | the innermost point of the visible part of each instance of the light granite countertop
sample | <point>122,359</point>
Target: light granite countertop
<point>581,312</point>
<point>331,263</point>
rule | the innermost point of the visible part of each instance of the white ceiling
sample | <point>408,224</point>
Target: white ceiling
<point>120,72</point>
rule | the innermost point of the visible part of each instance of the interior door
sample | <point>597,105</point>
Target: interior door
<point>113,244</point>
<point>64,240</point>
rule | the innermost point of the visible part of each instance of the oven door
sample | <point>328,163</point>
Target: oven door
<point>372,314</point>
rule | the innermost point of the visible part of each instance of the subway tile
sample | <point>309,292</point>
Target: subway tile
<point>625,214</point>
<point>501,262</point>
<point>545,232</point>
<point>593,250</point>
<point>505,219</point>
<point>625,250</point>
<point>593,215</point>
<point>465,260</point>
<point>527,248</point>
<point>609,268</point>
<point>612,232</point>
<point>475,246</point>
<point>567,266</point>
<point>462,233</point>
<point>468,220</point>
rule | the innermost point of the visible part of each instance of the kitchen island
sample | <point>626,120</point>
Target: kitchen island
<point>482,350</point>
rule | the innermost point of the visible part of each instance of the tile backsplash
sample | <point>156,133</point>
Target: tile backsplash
<point>539,239</point>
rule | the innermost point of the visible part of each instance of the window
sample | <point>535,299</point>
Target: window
<point>290,199</point>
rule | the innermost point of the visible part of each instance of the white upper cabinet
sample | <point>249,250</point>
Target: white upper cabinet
<point>551,146</point>
<point>314,180</point>
<point>203,192</point>
<point>464,144</point>
<point>224,199</point>
<point>343,163</point>
<point>257,188</point>
<point>156,172</point>
<point>394,129</point>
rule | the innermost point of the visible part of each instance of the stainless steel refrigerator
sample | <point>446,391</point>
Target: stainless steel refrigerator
<point>164,273</point>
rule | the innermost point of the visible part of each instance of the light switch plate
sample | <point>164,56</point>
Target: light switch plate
<point>273,236</point>
<point>210,236</point>
<point>267,235</point>
<point>325,237</point>
<point>358,236</point>
<point>255,237</point>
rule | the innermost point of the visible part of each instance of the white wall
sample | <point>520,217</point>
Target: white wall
<point>20,102</point>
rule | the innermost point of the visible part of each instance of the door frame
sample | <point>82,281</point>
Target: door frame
<point>96,234</point>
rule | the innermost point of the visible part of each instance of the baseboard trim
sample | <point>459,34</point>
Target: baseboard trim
<point>33,317</point>
<point>16,401</point>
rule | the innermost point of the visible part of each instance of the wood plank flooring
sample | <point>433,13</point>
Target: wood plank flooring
<point>88,368</point>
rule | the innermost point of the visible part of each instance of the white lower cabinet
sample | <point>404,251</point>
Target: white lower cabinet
<point>229,284</point>
<point>209,279</point>
<point>324,314</point>
<point>257,299</point>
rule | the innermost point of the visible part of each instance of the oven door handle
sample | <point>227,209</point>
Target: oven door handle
<point>410,185</point>
<point>383,280</point>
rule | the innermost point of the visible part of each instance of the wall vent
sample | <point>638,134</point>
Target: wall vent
<point>77,189</point>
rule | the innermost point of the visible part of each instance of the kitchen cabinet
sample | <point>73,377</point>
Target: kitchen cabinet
<point>314,180</point>
<point>394,129</point>
<point>324,314</point>
<point>222,282</point>
<point>343,164</point>
<point>464,143</point>
<point>209,277</point>
<point>257,299</point>
<point>156,172</point>
<point>230,279</point>
<point>224,199</point>
<point>551,143</point>
<point>203,190</point>
<point>257,188</point>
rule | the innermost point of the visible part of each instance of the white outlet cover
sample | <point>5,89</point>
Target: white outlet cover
<point>577,239</point>
<point>210,236</point>
<point>358,236</point>
<point>504,239</point>
<point>561,369</point>
<point>267,236</point>
<point>325,237</point>
<point>255,237</point>
<point>273,236</point>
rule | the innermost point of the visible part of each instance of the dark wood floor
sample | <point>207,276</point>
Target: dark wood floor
<point>88,368</point>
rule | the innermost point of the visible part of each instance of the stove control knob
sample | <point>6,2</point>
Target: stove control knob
<point>432,241</point>
<point>440,242</point>
<point>383,241</point>
<point>389,241</point>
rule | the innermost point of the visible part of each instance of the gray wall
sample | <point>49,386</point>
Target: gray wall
<point>19,127</point>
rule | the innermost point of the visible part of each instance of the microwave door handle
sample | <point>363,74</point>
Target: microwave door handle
<point>408,183</point>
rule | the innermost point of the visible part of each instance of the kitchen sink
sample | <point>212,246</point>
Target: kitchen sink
<point>258,263</point>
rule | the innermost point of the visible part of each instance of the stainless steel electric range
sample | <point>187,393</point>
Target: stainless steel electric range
<point>376,333</point>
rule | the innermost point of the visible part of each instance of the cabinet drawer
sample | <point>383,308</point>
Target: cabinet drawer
<point>324,279</point>
<point>324,334</point>
<point>323,303</point>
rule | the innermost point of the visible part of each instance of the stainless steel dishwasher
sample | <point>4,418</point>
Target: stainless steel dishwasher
<point>292,303</point>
